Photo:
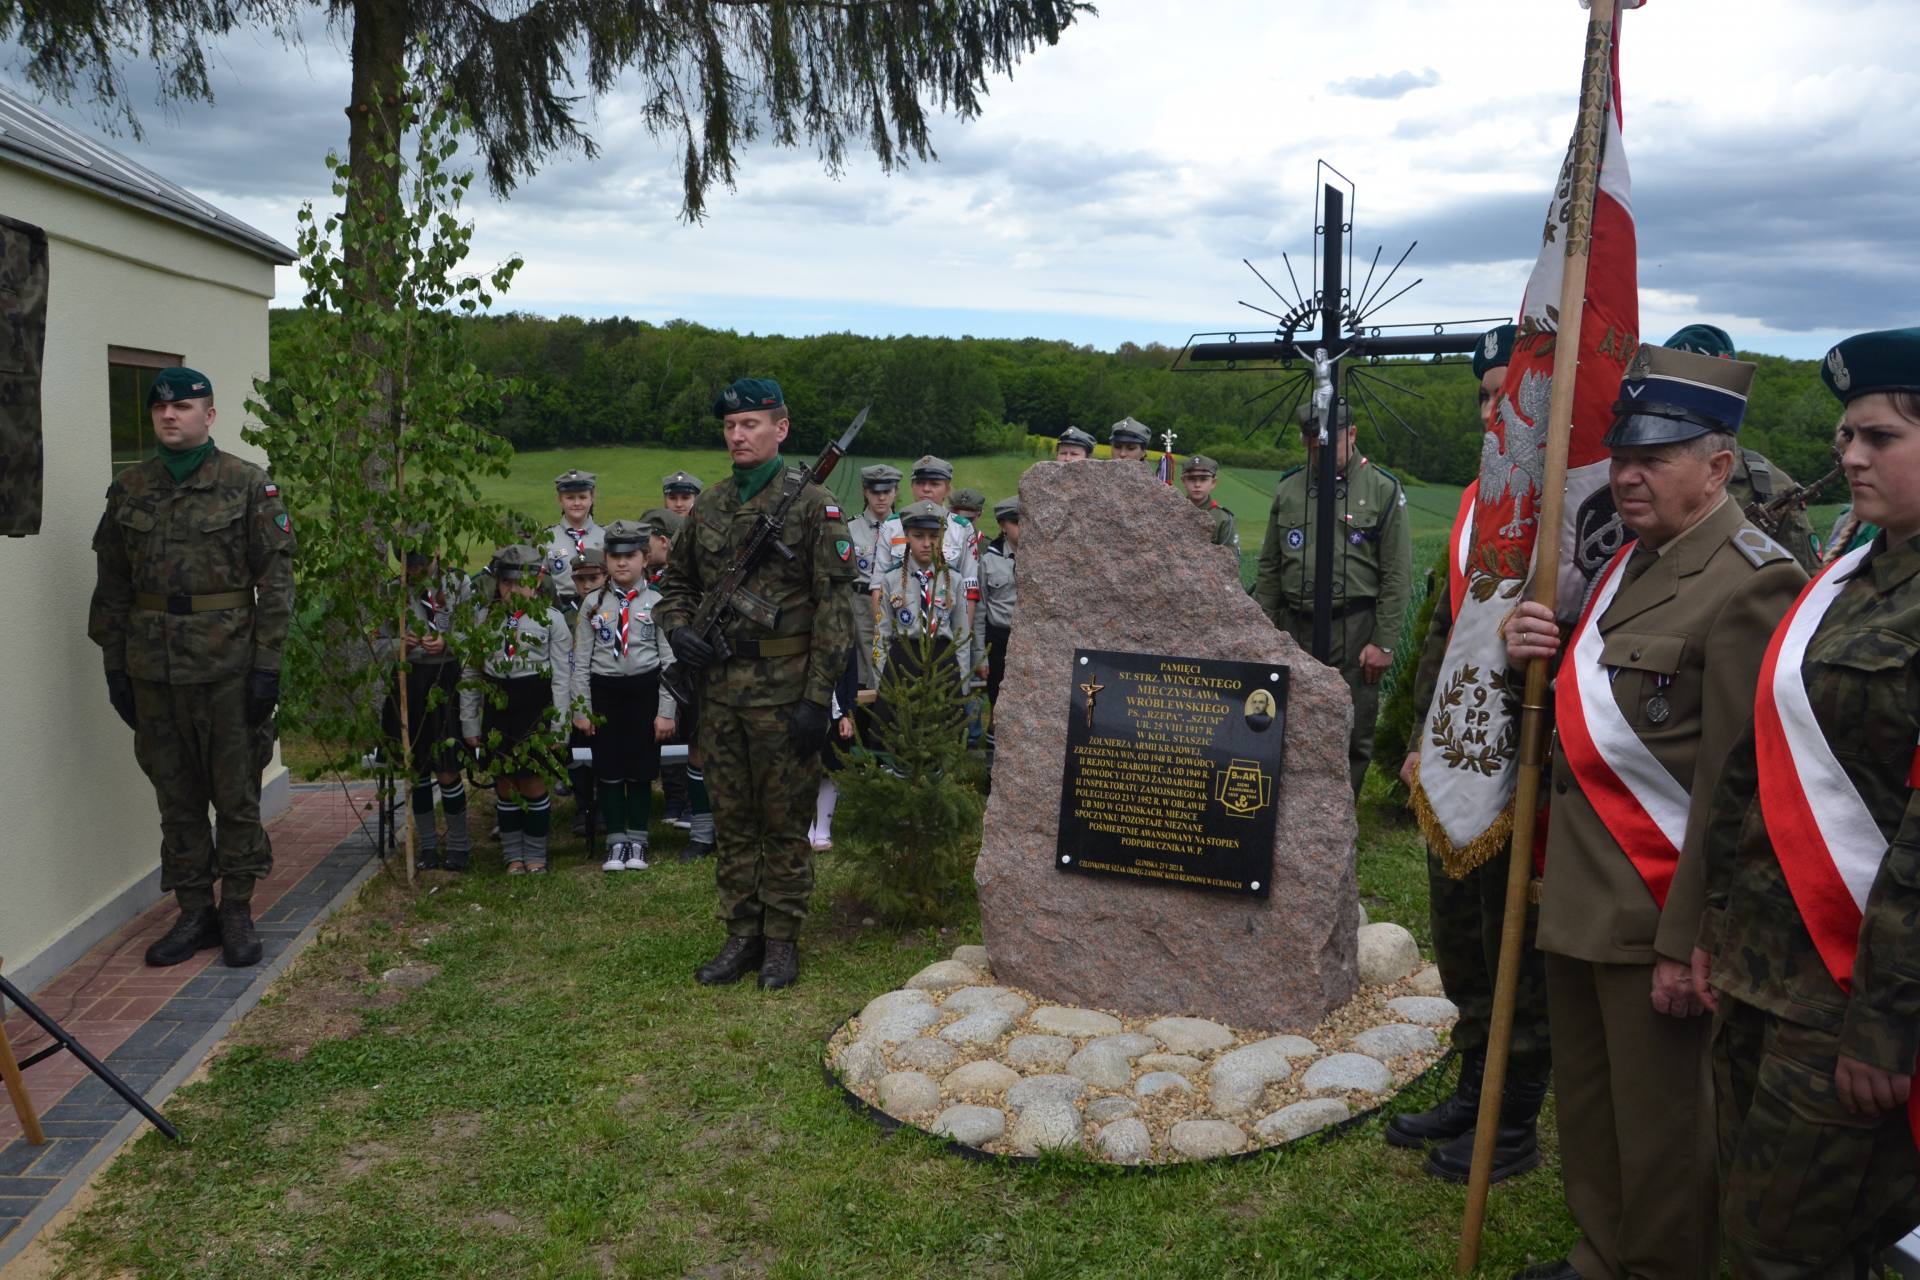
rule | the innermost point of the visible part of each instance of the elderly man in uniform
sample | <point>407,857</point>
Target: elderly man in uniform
<point>1128,439</point>
<point>878,485</point>
<point>678,491</point>
<point>1198,475</point>
<point>1372,568</point>
<point>764,707</point>
<point>1074,445</point>
<point>191,606</point>
<point>1657,685</point>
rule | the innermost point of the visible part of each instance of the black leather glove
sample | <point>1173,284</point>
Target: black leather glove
<point>120,694</point>
<point>807,726</point>
<point>263,692</point>
<point>690,649</point>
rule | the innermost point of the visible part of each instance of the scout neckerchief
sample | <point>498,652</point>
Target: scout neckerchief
<point>1643,806</point>
<point>926,593</point>
<point>579,537</point>
<point>513,633</point>
<point>1828,845</point>
<point>1460,548</point>
<point>626,603</point>
<point>434,601</point>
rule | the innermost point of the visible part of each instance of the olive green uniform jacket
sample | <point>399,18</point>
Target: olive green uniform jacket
<point>1373,566</point>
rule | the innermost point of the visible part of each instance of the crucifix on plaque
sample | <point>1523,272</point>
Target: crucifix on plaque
<point>1345,344</point>
<point>1090,688</point>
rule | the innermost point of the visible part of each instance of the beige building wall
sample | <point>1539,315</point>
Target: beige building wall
<point>80,842</point>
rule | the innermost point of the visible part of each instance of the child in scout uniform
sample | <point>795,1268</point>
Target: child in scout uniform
<point>993,619</point>
<point>1198,475</point>
<point>678,491</point>
<point>878,484</point>
<point>1075,445</point>
<point>1807,947</point>
<point>575,533</point>
<point>513,705</point>
<point>932,481</point>
<point>924,592</point>
<point>619,702</point>
<point>589,570</point>
<point>434,597</point>
<point>1128,440</point>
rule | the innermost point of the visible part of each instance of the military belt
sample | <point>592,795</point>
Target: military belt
<point>157,603</point>
<point>776,647</point>
<point>1338,611</point>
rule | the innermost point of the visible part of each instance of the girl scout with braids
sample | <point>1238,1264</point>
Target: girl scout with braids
<point>923,595</point>
<point>619,653</point>
<point>519,696</point>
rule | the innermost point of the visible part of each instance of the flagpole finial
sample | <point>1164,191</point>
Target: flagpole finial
<point>1167,437</point>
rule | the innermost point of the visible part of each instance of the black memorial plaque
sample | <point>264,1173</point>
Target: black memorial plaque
<point>1172,770</point>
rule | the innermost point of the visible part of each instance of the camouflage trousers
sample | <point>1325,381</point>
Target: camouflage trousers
<point>1466,917</point>
<point>1811,1191</point>
<point>194,744</point>
<point>763,791</point>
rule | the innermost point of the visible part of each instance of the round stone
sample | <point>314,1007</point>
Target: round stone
<point>935,1057</point>
<point>1049,1124</point>
<point>1179,1063</point>
<point>1058,1020</point>
<point>1388,953</point>
<point>908,1093</point>
<point>1107,1110</point>
<point>1196,1036</point>
<point>985,1078</point>
<point>1205,1139</point>
<point>1347,1073</point>
<point>860,1064</point>
<point>882,1005</point>
<point>1046,1053</point>
<point>1301,1119</point>
<point>1160,1082</point>
<point>974,999</point>
<point>984,1027</point>
<point>1238,1080</point>
<point>1428,1011</point>
<point>943,975</point>
<point>971,1125</point>
<point>1103,1068</point>
<point>1038,1089</point>
<point>1427,982</point>
<point>1124,1142</point>
<point>899,1022</point>
<point>1128,1044</point>
<point>1395,1040</point>
<point>975,956</point>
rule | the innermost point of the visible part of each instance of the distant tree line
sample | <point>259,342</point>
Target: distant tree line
<point>621,381</point>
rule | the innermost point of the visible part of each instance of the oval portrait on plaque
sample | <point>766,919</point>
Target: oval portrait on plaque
<point>1260,710</point>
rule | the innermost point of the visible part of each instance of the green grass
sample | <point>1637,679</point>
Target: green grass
<point>560,1099</point>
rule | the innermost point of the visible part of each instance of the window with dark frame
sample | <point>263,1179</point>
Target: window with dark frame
<point>130,373</point>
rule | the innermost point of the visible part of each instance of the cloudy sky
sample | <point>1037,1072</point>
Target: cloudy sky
<point>1110,189</point>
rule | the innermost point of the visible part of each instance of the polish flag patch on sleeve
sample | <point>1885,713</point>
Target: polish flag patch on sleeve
<point>272,489</point>
<point>833,512</point>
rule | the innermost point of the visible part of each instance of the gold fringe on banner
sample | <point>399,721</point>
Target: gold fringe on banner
<point>1458,860</point>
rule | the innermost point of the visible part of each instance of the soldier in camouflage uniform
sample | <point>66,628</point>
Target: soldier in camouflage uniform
<point>1373,568</point>
<point>1813,1071</point>
<point>764,709</point>
<point>191,607</point>
<point>878,483</point>
<point>1198,475</point>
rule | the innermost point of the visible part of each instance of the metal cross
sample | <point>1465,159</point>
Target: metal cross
<point>1090,688</point>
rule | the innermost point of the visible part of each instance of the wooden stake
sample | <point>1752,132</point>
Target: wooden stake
<point>1595,87</point>
<point>17,1087</point>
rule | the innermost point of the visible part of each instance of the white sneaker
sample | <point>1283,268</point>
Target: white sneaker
<point>636,857</point>
<point>616,858</point>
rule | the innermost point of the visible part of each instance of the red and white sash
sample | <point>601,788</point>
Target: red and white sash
<point>1461,548</point>
<point>1643,806</point>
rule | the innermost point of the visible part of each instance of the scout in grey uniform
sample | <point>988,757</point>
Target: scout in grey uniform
<point>619,654</point>
<point>679,490</point>
<point>589,570</point>
<point>576,532</point>
<point>878,483</point>
<point>1075,446</point>
<point>993,616</point>
<point>434,597</point>
<point>932,482</point>
<point>924,593</point>
<point>1198,475</point>
<point>1128,440</point>
<point>517,698</point>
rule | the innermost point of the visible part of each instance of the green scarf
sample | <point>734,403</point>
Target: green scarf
<point>753,479</point>
<point>181,463</point>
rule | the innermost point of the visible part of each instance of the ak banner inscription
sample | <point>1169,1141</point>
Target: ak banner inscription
<point>1172,769</point>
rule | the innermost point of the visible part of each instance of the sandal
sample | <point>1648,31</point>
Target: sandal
<point>516,868</point>
<point>536,868</point>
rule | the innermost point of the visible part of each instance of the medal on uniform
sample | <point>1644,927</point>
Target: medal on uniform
<point>1658,708</point>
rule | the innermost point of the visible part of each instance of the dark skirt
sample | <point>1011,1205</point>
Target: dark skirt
<point>433,733</point>
<point>623,746</point>
<point>527,717</point>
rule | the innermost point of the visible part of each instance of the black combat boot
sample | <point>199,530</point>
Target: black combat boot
<point>239,944</point>
<point>195,930</point>
<point>1559,1269</point>
<point>782,965</point>
<point>695,850</point>
<point>1453,1117</point>
<point>1516,1146</point>
<point>736,960</point>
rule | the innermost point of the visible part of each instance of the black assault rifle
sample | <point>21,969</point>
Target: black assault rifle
<point>729,598</point>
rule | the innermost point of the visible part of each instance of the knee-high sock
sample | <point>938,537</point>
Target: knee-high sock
<point>639,812</point>
<point>699,806</point>
<point>424,830</point>
<point>453,800</point>
<point>823,807</point>
<point>512,829</point>
<point>539,821</point>
<point>611,801</point>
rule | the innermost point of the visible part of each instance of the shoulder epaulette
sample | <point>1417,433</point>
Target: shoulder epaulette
<point>1757,547</point>
<point>1291,471</point>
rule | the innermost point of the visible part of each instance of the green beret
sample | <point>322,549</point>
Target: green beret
<point>1495,349</point>
<point>748,395</point>
<point>1310,421</point>
<point>1886,360</point>
<point>177,383</point>
<point>573,481</point>
<point>666,524</point>
<point>967,500</point>
<point>1078,439</point>
<point>680,482</point>
<point>880,476</point>
<point>1671,395</point>
<point>931,468</point>
<point>924,514</point>
<point>1129,431</point>
<point>1007,509</point>
<point>588,556</point>
<point>624,537</point>
<point>1702,340</point>
<point>1199,464</point>
<point>515,562</point>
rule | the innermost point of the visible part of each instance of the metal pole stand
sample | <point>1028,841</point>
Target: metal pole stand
<point>61,1040</point>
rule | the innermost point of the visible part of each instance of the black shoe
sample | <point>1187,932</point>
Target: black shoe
<point>580,824</point>
<point>456,860</point>
<point>696,849</point>
<point>239,944</point>
<point>427,860</point>
<point>1559,1269</point>
<point>736,960</point>
<point>193,932</point>
<point>782,965</point>
<point>1516,1146</point>
<point>1454,1116</point>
